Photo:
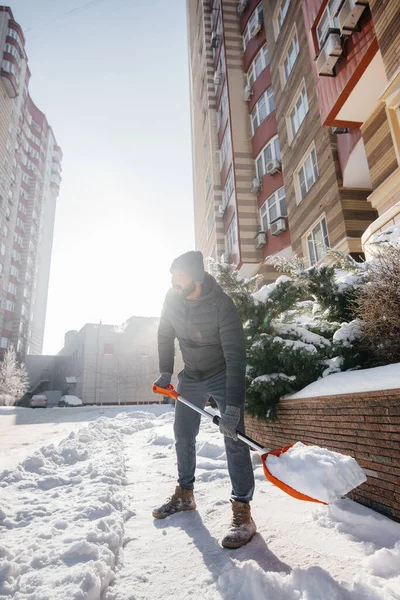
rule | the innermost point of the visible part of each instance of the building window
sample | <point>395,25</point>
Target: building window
<point>108,349</point>
<point>318,242</point>
<point>273,208</point>
<point>3,342</point>
<point>13,51</point>
<point>13,34</point>
<point>9,305</point>
<point>2,249</point>
<point>12,289</point>
<point>9,67</point>
<point>228,189</point>
<point>14,271</point>
<point>222,105</point>
<point>208,185</point>
<point>210,223</point>
<point>270,152</point>
<point>306,174</point>
<point>225,146</point>
<point>258,65</point>
<point>327,21</point>
<point>279,15</point>
<point>262,109</point>
<point>289,58</point>
<point>256,17</point>
<point>298,112</point>
<point>231,236</point>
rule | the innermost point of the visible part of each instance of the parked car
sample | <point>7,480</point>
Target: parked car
<point>38,401</point>
<point>67,401</point>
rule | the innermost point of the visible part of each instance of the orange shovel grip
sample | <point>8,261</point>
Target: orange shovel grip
<point>169,391</point>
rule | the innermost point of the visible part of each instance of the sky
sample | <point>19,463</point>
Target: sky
<point>112,78</point>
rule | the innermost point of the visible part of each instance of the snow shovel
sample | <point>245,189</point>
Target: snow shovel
<point>172,393</point>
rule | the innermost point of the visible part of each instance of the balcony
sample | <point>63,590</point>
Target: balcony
<point>10,82</point>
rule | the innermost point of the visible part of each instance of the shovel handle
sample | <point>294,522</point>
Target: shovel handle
<point>170,392</point>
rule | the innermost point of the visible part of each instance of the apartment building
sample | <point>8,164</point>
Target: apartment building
<point>30,177</point>
<point>356,45</point>
<point>294,126</point>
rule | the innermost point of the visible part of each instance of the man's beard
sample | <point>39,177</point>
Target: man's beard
<point>184,292</point>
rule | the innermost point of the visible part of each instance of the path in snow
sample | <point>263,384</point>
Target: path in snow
<point>76,524</point>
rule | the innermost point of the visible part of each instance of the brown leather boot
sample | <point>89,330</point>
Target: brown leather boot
<point>182,499</point>
<point>242,527</point>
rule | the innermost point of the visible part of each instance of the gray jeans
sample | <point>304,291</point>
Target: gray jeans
<point>186,428</point>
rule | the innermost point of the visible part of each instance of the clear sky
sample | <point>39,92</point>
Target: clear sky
<point>112,79</point>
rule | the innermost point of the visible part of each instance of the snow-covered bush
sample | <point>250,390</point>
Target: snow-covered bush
<point>377,304</point>
<point>13,378</point>
<point>296,327</point>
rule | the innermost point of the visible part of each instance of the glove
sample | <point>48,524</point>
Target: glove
<point>229,421</point>
<point>164,380</point>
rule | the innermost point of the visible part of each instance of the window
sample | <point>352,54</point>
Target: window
<point>228,189</point>
<point>273,208</point>
<point>298,112</point>
<point>256,17</point>
<point>262,109</point>
<point>327,21</point>
<point>258,65</point>
<point>20,223</point>
<point>210,223</point>
<point>225,146</point>
<point>269,152</point>
<point>280,14</point>
<point>222,104</point>
<point>290,58</point>
<point>108,349</point>
<point>307,174</point>
<point>3,342</point>
<point>207,185</point>
<point>9,305</point>
<point>15,255</point>
<point>231,236</point>
<point>13,51</point>
<point>10,68</point>
<point>25,178</point>
<point>12,289</point>
<point>206,153</point>
<point>22,208</point>
<point>2,249</point>
<point>318,242</point>
<point>14,271</point>
<point>13,34</point>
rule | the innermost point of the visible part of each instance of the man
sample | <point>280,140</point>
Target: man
<point>205,321</point>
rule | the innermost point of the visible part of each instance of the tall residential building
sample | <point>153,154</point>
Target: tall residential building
<point>294,126</point>
<point>30,177</point>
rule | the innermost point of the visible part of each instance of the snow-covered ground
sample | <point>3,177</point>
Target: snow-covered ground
<point>348,382</point>
<point>76,524</point>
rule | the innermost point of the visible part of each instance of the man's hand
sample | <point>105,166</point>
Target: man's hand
<point>229,421</point>
<point>164,380</point>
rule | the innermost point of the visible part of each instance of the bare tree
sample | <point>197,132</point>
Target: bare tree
<point>14,380</point>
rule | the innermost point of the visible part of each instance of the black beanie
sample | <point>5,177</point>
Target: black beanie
<point>192,264</point>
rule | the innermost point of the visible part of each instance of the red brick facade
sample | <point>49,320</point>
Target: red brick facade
<point>365,426</point>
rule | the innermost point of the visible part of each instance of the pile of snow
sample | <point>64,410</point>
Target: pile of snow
<point>62,521</point>
<point>390,235</point>
<point>303,334</point>
<point>348,333</point>
<point>317,472</point>
<point>71,401</point>
<point>348,382</point>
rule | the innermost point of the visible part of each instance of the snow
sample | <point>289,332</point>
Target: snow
<point>389,235</point>
<point>308,337</point>
<point>317,472</point>
<point>76,524</point>
<point>295,344</point>
<point>348,382</point>
<point>264,293</point>
<point>348,333</point>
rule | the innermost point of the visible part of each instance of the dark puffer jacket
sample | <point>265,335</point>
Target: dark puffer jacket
<point>210,337</point>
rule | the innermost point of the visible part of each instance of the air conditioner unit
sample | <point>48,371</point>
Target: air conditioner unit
<point>329,55</point>
<point>248,92</point>
<point>256,185</point>
<point>225,258</point>
<point>214,40</point>
<point>278,226</point>
<point>242,5</point>
<point>350,14</point>
<point>255,30</point>
<point>260,240</point>
<point>272,167</point>
<point>217,78</point>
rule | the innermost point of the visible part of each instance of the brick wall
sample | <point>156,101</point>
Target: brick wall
<point>365,426</point>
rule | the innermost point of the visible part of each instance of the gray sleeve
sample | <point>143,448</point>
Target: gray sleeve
<point>166,343</point>
<point>234,348</point>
